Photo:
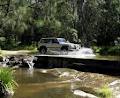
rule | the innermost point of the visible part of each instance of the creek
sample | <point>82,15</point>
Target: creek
<point>61,83</point>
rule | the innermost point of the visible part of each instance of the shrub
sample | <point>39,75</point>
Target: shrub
<point>104,50</point>
<point>96,49</point>
<point>114,50</point>
<point>7,79</point>
<point>107,50</point>
<point>25,47</point>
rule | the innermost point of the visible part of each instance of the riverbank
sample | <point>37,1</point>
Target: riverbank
<point>17,52</point>
<point>7,82</point>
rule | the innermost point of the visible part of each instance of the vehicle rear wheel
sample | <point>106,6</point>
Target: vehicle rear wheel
<point>64,50</point>
<point>43,50</point>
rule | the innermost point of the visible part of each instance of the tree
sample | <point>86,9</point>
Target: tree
<point>91,21</point>
<point>109,22</point>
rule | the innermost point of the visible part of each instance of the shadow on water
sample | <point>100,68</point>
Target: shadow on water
<point>82,60</point>
<point>105,71</point>
<point>85,66</point>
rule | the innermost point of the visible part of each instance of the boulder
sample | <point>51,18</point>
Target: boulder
<point>1,58</point>
<point>83,94</point>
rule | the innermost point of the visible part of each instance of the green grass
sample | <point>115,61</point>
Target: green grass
<point>7,79</point>
<point>25,47</point>
<point>104,92</point>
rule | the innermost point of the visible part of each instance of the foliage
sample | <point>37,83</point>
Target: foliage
<point>114,50</point>
<point>91,21</point>
<point>25,47</point>
<point>105,92</point>
<point>107,50</point>
<point>7,79</point>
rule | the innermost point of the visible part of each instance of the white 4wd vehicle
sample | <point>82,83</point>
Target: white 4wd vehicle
<point>58,44</point>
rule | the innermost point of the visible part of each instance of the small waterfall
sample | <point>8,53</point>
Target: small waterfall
<point>30,62</point>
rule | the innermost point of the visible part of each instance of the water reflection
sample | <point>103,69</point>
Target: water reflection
<point>30,72</point>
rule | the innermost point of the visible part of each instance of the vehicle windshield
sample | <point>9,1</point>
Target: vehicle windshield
<point>61,40</point>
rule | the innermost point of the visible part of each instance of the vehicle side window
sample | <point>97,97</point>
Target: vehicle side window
<point>49,41</point>
<point>55,41</point>
<point>46,41</point>
<point>41,41</point>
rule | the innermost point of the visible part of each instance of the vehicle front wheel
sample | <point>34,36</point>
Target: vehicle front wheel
<point>43,50</point>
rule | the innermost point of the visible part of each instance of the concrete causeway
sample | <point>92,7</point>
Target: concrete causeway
<point>83,64</point>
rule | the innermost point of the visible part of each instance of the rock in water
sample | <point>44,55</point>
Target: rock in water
<point>83,94</point>
<point>1,58</point>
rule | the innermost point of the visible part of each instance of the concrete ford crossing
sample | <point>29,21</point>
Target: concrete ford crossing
<point>56,44</point>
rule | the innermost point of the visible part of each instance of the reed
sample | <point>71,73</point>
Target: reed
<point>7,81</point>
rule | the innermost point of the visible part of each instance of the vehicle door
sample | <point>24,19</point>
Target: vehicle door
<point>55,45</point>
<point>48,43</point>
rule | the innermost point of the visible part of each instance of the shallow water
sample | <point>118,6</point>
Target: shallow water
<point>83,53</point>
<point>57,83</point>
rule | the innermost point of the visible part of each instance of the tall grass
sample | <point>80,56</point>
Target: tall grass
<point>7,79</point>
<point>104,92</point>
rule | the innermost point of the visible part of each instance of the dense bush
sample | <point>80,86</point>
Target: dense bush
<point>109,50</point>
<point>114,50</point>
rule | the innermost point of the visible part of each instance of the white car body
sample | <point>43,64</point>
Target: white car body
<point>57,44</point>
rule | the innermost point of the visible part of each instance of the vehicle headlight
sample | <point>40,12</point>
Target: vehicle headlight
<point>77,46</point>
<point>71,46</point>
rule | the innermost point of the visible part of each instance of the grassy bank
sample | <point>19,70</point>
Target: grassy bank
<point>7,81</point>
<point>20,50</point>
<point>17,52</point>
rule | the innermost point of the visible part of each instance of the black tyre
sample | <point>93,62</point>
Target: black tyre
<point>64,50</point>
<point>43,50</point>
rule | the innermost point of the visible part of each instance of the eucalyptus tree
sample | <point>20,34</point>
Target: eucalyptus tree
<point>98,20</point>
<point>109,23</point>
<point>88,20</point>
<point>87,17</point>
<point>15,21</point>
<point>54,18</point>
